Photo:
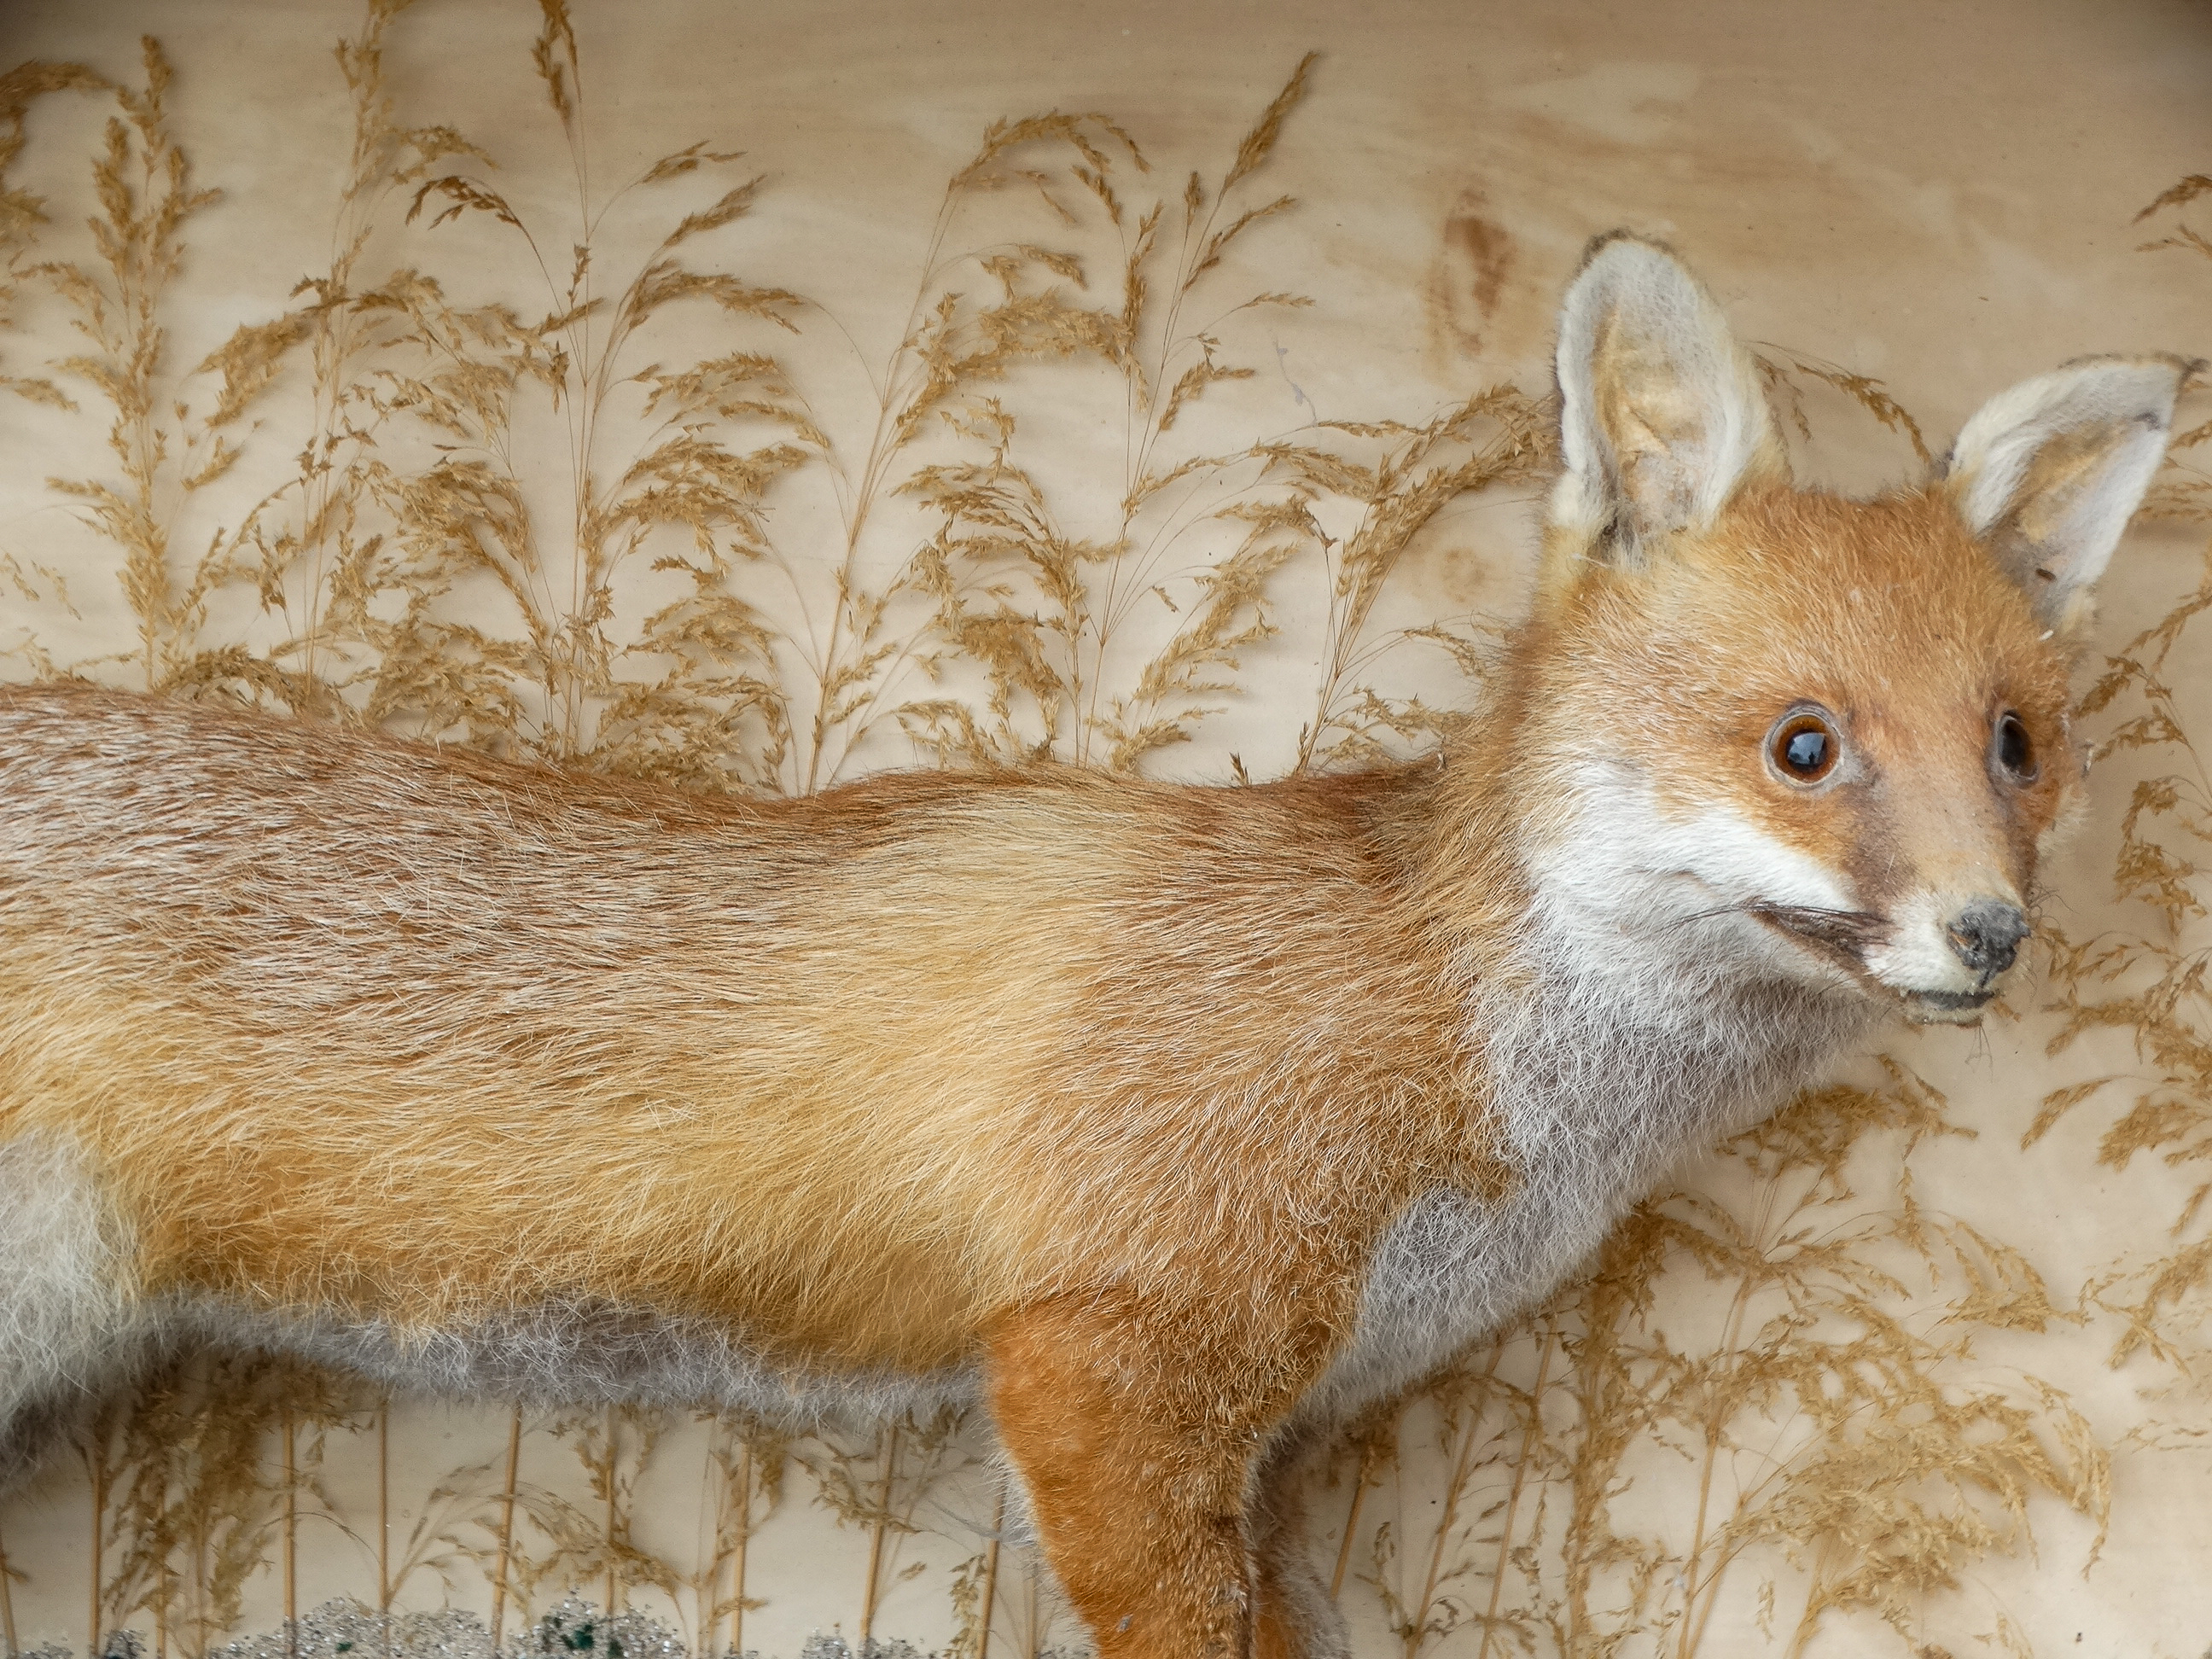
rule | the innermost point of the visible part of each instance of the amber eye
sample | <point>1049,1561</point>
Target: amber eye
<point>1802,748</point>
<point>2014,752</point>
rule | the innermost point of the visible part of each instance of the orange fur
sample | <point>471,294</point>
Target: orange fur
<point>1117,1091</point>
<point>751,1127</point>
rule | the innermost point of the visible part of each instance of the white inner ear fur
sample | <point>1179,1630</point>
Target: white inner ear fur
<point>2050,472</point>
<point>1661,417</point>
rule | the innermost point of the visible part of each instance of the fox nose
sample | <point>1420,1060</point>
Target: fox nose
<point>1986,935</point>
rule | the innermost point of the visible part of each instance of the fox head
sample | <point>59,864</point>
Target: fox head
<point>1821,740</point>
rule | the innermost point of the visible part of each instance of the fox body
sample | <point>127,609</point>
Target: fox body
<point>1163,1122</point>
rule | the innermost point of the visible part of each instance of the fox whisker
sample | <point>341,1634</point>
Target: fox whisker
<point>1851,930</point>
<point>1857,931</point>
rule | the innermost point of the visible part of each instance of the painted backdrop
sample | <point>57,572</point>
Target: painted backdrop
<point>757,397</point>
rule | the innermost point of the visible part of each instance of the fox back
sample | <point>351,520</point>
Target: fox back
<point>1165,1122</point>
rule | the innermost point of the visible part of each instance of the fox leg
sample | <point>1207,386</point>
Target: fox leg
<point>64,1312</point>
<point>1296,1618</point>
<point>1137,1437</point>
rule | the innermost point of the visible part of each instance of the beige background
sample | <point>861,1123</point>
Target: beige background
<point>1941,197</point>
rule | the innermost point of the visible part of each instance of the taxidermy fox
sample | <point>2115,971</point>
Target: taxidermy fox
<point>1163,1122</point>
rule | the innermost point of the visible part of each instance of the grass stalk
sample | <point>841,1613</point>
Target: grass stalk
<point>744,1486</point>
<point>7,1604</point>
<point>1462,1469</point>
<point>991,1576</point>
<point>877,1526</point>
<point>1693,1626</point>
<point>291,1536</point>
<point>101,1477</point>
<point>1360,1476</point>
<point>614,1518</point>
<point>383,1510</point>
<point>1808,1620</point>
<point>1530,1432</point>
<point>505,1528</point>
<point>874,472</point>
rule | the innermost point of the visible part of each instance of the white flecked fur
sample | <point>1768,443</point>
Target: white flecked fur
<point>66,1320</point>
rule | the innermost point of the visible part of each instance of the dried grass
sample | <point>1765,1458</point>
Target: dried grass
<point>2150,984</point>
<point>1849,1459</point>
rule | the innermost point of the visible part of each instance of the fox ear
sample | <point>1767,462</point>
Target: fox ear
<point>2049,472</point>
<point>1661,417</point>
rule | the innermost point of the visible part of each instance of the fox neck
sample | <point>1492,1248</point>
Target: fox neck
<point>1622,1021</point>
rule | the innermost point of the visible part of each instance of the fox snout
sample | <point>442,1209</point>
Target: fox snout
<point>1943,960</point>
<point>1945,957</point>
<point>1985,936</point>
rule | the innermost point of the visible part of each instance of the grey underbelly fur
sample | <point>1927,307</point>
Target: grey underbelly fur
<point>580,1354</point>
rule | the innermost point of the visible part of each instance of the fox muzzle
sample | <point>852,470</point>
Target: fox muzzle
<point>1985,936</point>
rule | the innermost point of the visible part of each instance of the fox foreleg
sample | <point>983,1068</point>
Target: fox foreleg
<point>1140,1435</point>
<point>1294,1617</point>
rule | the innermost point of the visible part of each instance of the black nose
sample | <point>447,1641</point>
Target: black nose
<point>1986,935</point>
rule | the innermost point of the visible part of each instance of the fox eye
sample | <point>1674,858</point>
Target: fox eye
<point>2013,751</point>
<point>1802,747</point>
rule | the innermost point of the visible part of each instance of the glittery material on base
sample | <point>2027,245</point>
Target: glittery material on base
<point>572,1628</point>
